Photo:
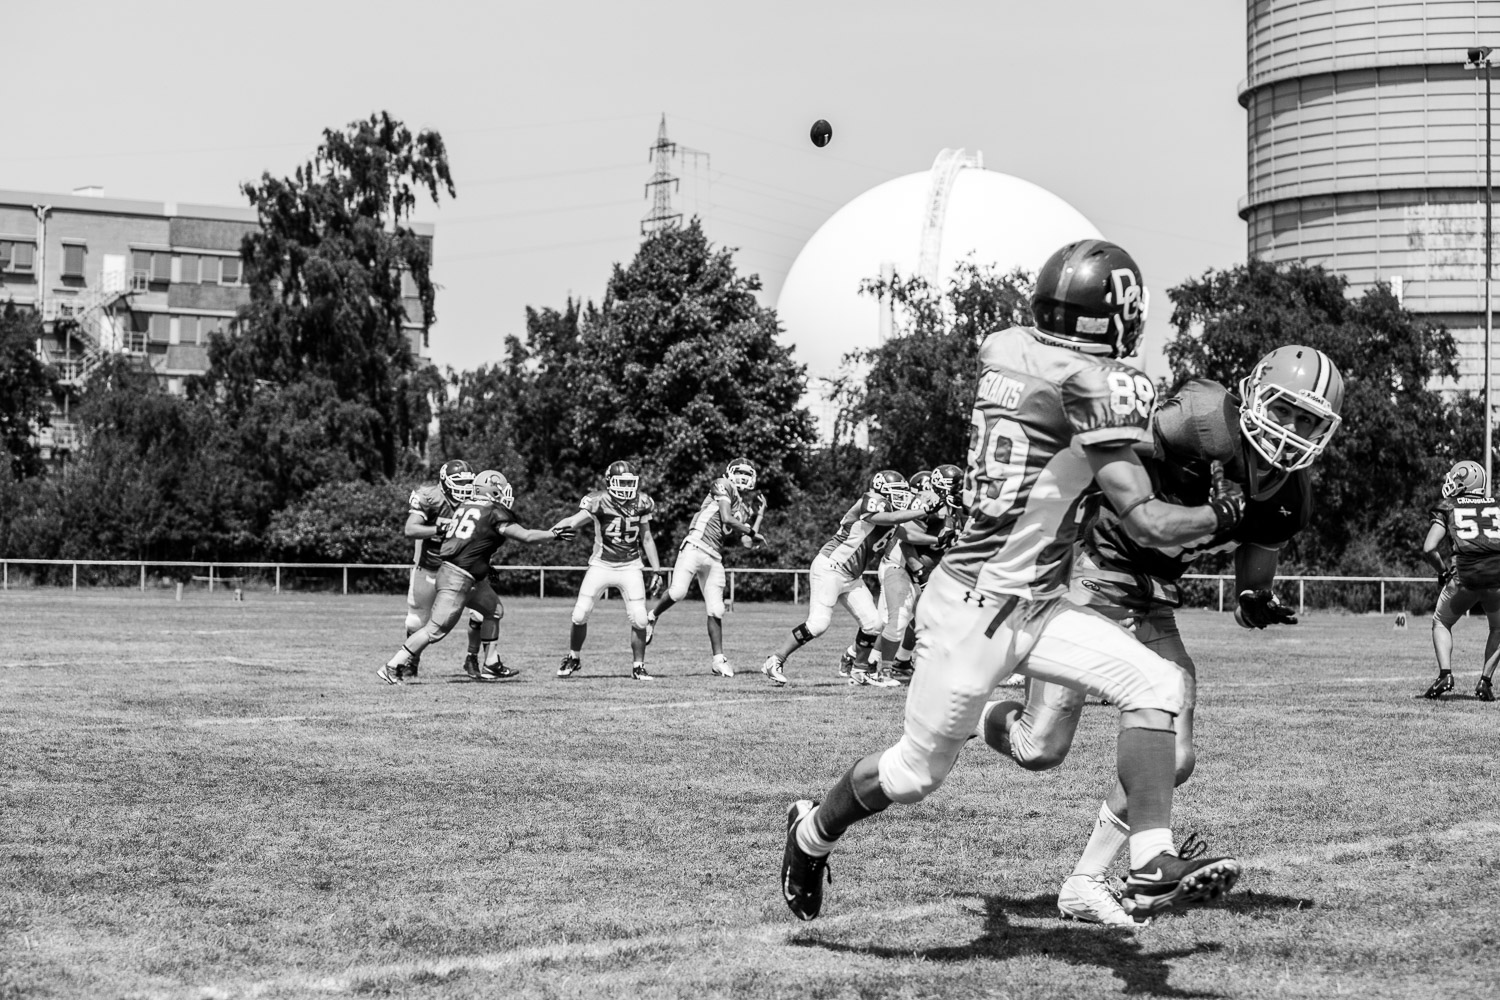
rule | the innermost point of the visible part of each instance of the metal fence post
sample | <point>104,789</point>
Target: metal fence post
<point>1221,595</point>
<point>143,577</point>
<point>278,579</point>
<point>210,578</point>
<point>796,593</point>
<point>1301,597</point>
<point>541,583</point>
<point>75,576</point>
<point>1382,597</point>
<point>5,568</point>
<point>346,579</point>
<point>731,590</point>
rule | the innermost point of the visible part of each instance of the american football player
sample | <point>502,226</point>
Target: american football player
<point>948,484</point>
<point>1265,442</point>
<point>480,526</point>
<point>1469,519</point>
<point>1054,414</point>
<point>837,572</point>
<point>622,533</point>
<point>481,659</point>
<point>430,513</point>
<point>700,558</point>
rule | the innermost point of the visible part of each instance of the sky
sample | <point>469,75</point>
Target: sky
<point>1127,111</point>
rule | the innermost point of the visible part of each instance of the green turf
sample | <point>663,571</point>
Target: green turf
<point>218,799</point>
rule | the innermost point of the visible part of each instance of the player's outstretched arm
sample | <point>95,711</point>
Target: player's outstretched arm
<point>533,536</point>
<point>1152,521</point>
<point>572,522</point>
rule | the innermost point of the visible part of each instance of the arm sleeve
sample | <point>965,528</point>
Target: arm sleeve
<point>1439,514</point>
<point>1200,422</point>
<point>1107,405</point>
<point>646,508</point>
<point>590,503</point>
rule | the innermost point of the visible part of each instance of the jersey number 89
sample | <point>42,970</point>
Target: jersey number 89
<point>1131,394</point>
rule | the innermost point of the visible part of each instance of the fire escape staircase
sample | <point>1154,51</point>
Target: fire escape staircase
<point>85,313</point>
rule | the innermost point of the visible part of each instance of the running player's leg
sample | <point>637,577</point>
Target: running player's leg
<point>711,584</point>
<point>682,576</point>
<point>632,583</point>
<point>453,586</point>
<point>861,604</point>
<point>1454,601</point>
<point>824,588</point>
<point>420,592</point>
<point>594,582</point>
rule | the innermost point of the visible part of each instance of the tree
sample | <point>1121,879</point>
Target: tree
<point>27,386</point>
<point>918,388</point>
<point>1398,434</point>
<point>680,370</point>
<point>322,343</point>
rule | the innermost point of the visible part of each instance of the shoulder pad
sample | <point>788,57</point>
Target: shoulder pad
<point>428,497</point>
<point>1201,420</point>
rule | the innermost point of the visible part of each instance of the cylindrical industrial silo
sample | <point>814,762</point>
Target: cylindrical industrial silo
<point>1366,148</point>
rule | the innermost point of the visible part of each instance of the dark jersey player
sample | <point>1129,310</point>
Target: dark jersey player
<point>1468,519</point>
<point>479,528</point>
<point>429,513</point>
<point>1265,443</point>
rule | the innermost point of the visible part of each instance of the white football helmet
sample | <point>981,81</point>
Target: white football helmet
<point>492,487</point>
<point>741,474</point>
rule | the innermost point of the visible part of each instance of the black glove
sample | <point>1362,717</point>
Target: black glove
<point>564,532</point>
<point>658,585</point>
<point>1226,498</point>
<point>1259,608</point>
<point>1444,575</point>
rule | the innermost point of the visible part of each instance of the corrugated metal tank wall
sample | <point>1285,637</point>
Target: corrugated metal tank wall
<point>1366,148</point>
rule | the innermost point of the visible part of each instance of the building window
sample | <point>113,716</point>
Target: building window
<point>161,267</point>
<point>187,328</point>
<point>16,256</point>
<point>231,271</point>
<point>210,270</point>
<point>73,260</point>
<point>160,329</point>
<point>190,268</point>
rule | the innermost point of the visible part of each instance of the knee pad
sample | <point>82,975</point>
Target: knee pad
<point>909,774</point>
<point>713,604</point>
<point>1030,749</point>
<point>583,609</point>
<point>414,622</point>
<point>864,640</point>
<point>803,634</point>
<point>636,612</point>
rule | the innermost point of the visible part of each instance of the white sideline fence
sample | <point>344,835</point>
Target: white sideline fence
<point>215,574</point>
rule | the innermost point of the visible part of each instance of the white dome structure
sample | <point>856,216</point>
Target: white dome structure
<point>921,223</point>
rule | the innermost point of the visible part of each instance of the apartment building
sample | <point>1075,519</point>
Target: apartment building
<point>151,279</point>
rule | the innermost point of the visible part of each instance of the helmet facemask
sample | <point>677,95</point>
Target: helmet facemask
<point>1281,446</point>
<point>624,485</point>
<point>742,476</point>
<point>457,486</point>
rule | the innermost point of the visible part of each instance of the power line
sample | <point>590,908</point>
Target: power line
<point>538,248</point>
<point>545,175</point>
<point>472,219</point>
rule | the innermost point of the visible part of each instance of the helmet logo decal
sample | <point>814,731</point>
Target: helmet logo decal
<point>1128,297</point>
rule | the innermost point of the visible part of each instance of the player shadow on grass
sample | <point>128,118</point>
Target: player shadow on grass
<point>1121,952</point>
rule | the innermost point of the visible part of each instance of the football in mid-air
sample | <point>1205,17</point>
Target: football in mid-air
<point>822,133</point>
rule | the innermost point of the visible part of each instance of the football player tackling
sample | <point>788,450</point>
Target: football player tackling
<point>431,512</point>
<point>837,572</point>
<point>480,526</point>
<point>1265,442</point>
<point>1470,519</point>
<point>1053,414</point>
<point>699,557</point>
<point>622,532</point>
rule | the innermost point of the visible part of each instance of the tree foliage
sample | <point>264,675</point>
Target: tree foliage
<point>1399,434</point>
<point>27,386</point>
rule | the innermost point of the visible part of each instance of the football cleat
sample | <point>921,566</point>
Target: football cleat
<point>640,673</point>
<point>872,678</point>
<point>802,874</point>
<point>1090,899</point>
<point>570,666</point>
<point>846,662</point>
<point>409,671</point>
<point>389,673</point>
<point>720,666</point>
<point>772,669</point>
<point>650,628</point>
<point>497,671</point>
<point>471,666</point>
<point>1441,686</point>
<point>1168,880</point>
<point>1483,691</point>
<point>901,672</point>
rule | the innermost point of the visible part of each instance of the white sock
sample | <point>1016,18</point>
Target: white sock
<point>1106,839</point>
<point>1147,844</point>
<point>808,839</point>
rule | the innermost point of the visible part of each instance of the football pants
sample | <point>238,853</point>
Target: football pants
<point>1455,601</point>
<point>628,580</point>
<point>420,592</point>
<point>828,587</point>
<point>692,564</point>
<point>898,599</point>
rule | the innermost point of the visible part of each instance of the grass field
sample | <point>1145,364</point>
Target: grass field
<point>218,799</point>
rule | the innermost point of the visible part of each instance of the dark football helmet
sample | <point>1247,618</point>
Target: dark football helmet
<point>948,481</point>
<point>741,474</point>
<point>1465,477</point>
<point>622,481</point>
<point>893,486</point>
<point>492,487</point>
<point>1289,380</point>
<point>1090,297</point>
<point>456,480</point>
<point>921,481</point>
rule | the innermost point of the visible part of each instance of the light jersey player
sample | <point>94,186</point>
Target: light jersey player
<point>480,527</point>
<point>1265,443</point>
<point>1469,519</point>
<point>700,556</point>
<point>837,572</point>
<point>622,533</point>
<point>429,514</point>
<point>1053,414</point>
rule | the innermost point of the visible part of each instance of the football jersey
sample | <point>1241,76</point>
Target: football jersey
<point>475,537</point>
<point>617,527</point>
<point>1473,526</point>
<point>434,507</point>
<point>1195,428</point>
<point>1036,408</point>
<point>900,548</point>
<point>857,541</point>
<point>706,530</point>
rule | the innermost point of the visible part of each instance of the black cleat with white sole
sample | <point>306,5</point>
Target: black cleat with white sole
<point>1168,880</point>
<point>802,874</point>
